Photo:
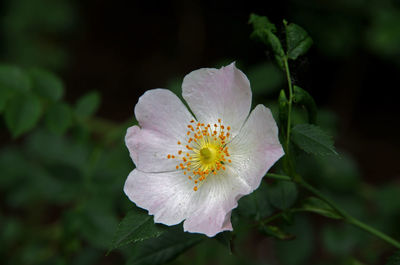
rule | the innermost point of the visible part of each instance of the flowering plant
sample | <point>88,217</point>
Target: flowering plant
<point>196,169</point>
<point>209,166</point>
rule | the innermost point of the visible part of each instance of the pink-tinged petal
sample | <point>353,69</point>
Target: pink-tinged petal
<point>256,148</point>
<point>162,111</point>
<point>214,94</point>
<point>165,195</point>
<point>149,149</point>
<point>213,203</point>
<point>163,119</point>
<point>170,197</point>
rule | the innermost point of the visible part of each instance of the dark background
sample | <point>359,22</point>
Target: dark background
<point>126,48</point>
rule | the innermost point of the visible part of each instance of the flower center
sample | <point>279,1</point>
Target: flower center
<point>205,151</point>
<point>208,154</point>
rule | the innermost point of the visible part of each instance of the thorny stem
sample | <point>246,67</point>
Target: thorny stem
<point>300,181</point>
<point>347,217</point>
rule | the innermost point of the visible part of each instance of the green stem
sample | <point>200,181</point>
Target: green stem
<point>373,231</point>
<point>319,194</point>
<point>348,218</point>
<point>278,177</point>
<point>271,218</point>
<point>289,80</point>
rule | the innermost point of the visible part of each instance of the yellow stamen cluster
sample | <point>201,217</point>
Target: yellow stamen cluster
<point>204,151</point>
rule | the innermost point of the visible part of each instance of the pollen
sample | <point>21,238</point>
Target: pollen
<point>206,151</point>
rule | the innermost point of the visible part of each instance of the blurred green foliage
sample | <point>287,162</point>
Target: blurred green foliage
<point>34,32</point>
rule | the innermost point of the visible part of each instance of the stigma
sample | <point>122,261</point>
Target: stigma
<point>204,152</point>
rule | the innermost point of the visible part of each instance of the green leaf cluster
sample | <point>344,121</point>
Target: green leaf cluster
<point>312,139</point>
<point>298,42</point>
<point>308,137</point>
<point>28,95</point>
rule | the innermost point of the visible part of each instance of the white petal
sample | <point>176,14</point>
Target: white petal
<point>170,198</point>
<point>256,148</point>
<point>214,202</point>
<point>214,94</point>
<point>165,195</point>
<point>163,119</point>
<point>149,149</point>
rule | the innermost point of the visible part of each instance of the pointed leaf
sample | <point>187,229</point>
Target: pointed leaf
<point>282,194</point>
<point>164,248</point>
<point>22,113</point>
<point>260,23</point>
<point>263,30</point>
<point>59,118</point>
<point>297,40</point>
<point>12,78</point>
<point>312,140</point>
<point>136,226</point>
<point>87,105</point>
<point>46,84</point>
<point>304,98</point>
<point>256,204</point>
<point>5,95</point>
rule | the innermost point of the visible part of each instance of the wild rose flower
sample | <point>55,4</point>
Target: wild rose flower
<point>197,168</point>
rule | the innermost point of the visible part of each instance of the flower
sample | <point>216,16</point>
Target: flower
<point>197,168</point>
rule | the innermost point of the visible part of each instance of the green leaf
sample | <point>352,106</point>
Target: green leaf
<point>5,95</point>
<point>312,140</point>
<point>304,98</point>
<point>13,79</point>
<point>315,205</point>
<point>260,23</point>
<point>283,109</point>
<point>87,105</point>
<point>282,194</point>
<point>276,47</point>
<point>135,227</point>
<point>256,205</point>
<point>22,113</point>
<point>164,248</point>
<point>276,232</point>
<point>46,84</point>
<point>394,259</point>
<point>263,30</point>
<point>297,40</point>
<point>58,118</point>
